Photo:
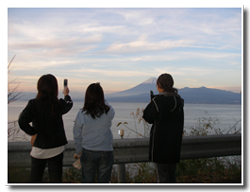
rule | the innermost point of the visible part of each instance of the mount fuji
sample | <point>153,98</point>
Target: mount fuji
<point>140,93</point>
<point>143,88</point>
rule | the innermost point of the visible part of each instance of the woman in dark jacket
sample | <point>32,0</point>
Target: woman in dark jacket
<point>165,112</point>
<point>47,130</point>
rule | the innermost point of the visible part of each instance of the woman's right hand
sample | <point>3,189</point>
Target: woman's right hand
<point>33,138</point>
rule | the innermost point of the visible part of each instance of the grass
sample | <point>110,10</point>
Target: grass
<point>209,170</point>
<point>18,175</point>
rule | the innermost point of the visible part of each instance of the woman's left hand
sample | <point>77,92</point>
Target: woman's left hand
<point>77,155</point>
<point>66,91</point>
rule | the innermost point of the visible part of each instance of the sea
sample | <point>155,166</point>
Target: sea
<point>223,117</point>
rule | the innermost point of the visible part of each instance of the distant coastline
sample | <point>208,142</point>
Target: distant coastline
<point>140,94</point>
<point>190,95</point>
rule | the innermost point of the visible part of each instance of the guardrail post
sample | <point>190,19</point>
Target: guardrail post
<point>121,170</point>
<point>121,173</point>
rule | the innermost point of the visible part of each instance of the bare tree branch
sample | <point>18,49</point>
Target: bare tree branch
<point>13,93</point>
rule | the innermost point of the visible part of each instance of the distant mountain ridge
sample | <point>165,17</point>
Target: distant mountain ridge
<point>140,94</point>
<point>209,96</point>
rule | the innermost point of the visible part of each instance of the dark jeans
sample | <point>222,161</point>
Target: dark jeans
<point>96,161</point>
<point>54,168</point>
<point>166,173</point>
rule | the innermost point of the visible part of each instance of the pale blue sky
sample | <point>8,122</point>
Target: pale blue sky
<point>122,47</point>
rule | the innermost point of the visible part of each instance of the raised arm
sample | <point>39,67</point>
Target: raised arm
<point>151,112</point>
<point>68,103</point>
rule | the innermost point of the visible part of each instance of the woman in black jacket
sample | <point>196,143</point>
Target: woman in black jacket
<point>165,112</point>
<point>47,130</point>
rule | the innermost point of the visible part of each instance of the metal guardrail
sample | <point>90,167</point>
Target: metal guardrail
<point>136,150</point>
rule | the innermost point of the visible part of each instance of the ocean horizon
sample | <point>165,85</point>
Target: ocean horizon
<point>222,116</point>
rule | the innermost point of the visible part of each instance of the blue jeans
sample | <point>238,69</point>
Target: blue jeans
<point>96,161</point>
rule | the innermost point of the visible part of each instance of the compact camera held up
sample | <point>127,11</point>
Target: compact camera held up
<point>152,95</point>
<point>65,87</point>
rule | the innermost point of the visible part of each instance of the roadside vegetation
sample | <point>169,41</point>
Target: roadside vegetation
<point>207,170</point>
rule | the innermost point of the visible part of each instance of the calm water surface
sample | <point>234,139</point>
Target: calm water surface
<point>227,116</point>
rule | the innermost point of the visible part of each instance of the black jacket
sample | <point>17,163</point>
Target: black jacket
<point>165,112</point>
<point>49,128</point>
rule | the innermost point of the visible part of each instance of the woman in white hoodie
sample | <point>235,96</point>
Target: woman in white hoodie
<point>93,136</point>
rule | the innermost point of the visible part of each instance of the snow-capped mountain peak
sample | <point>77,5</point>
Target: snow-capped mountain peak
<point>151,80</point>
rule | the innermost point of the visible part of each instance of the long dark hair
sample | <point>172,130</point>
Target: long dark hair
<point>94,101</point>
<point>166,82</point>
<point>48,91</point>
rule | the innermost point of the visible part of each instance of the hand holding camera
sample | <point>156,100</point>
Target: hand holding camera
<point>152,95</point>
<point>65,85</point>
